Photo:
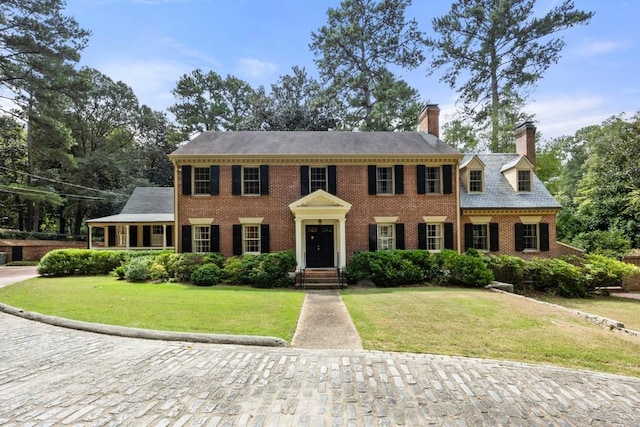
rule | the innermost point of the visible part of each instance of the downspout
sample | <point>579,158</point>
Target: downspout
<point>458,213</point>
<point>175,206</point>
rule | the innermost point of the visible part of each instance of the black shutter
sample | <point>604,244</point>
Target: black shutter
<point>186,238</point>
<point>544,236</point>
<point>422,236</point>
<point>111,235</point>
<point>214,180</point>
<point>447,180</point>
<point>468,236</point>
<point>448,235</point>
<point>421,173</point>
<point>237,239</point>
<point>399,179</point>
<point>146,236</point>
<point>214,238</point>
<point>304,180</point>
<point>236,180</point>
<point>264,180</point>
<point>332,185</point>
<point>399,236</point>
<point>133,236</point>
<point>371,171</point>
<point>186,180</point>
<point>264,239</point>
<point>169,235</point>
<point>373,237</point>
<point>494,237</point>
<point>519,237</point>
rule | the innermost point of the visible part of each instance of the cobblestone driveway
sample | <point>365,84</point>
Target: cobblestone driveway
<point>50,375</point>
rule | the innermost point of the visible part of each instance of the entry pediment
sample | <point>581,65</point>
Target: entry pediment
<point>322,200</point>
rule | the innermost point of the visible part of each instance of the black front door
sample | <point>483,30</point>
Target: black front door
<point>319,246</point>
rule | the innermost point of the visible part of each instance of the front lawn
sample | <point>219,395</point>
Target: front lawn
<point>479,323</point>
<point>166,306</point>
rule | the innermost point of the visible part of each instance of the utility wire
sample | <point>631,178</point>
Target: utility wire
<point>30,191</point>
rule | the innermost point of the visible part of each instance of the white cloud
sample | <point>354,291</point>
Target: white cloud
<point>599,47</point>
<point>255,69</point>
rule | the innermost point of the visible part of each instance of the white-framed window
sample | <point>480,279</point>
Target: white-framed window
<point>251,239</point>
<point>475,181</point>
<point>435,237</point>
<point>386,236</point>
<point>317,179</point>
<point>481,237</point>
<point>157,235</point>
<point>121,235</point>
<point>524,180</point>
<point>251,180</point>
<point>433,178</point>
<point>530,237</point>
<point>384,180</point>
<point>201,180</point>
<point>201,238</point>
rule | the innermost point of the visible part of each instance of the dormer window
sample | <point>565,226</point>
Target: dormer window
<point>476,184</point>
<point>524,180</point>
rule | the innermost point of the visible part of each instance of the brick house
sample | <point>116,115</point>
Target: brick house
<point>326,195</point>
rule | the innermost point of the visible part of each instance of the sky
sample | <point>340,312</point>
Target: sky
<point>150,44</point>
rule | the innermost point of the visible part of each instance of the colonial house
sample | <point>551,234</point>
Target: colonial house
<point>326,195</point>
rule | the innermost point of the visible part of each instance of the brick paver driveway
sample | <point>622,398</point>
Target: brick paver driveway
<point>50,375</point>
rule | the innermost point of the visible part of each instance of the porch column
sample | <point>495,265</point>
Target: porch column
<point>90,242</point>
<point>299,254</point>
<point>343,243</point>
<point>164,236</point>
<point>127,230</point>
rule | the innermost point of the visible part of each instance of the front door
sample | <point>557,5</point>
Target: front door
<point>319,246</point>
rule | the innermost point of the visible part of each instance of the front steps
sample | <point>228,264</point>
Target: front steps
<point>319,279</point>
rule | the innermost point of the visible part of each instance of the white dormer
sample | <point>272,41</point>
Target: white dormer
<point>472,175</point>
<point>519,173</point>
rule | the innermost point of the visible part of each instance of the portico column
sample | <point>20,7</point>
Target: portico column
<point>90,242</point>
<point>127,236</point>
<point>164,236</point>
<point>299,255</point>
<point>343,243</point>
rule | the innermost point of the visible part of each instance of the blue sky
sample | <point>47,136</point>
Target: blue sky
<point>149,44</point>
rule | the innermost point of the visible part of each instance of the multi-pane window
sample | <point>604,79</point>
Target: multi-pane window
<point>317,179</point>
<point>434,237</point>
<point>433,179</point>
<point>201,238</point>
<point>201,179</point>
<point>157,234</point>
<point>386,236</point>
<point>475,181</point>
<point>121,235</point>
<point>524,180</point>
<point>530,236</point>
<point>384,180</point>
<point>481,237</point>
<point>251,239</point>
<point>251,180</point>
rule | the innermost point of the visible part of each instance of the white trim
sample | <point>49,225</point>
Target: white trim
<point>530,219</point>
<point>385,219</point>
<point>251,221</point>
<point>434,219</point>
<point>200,221</point>
<point>479,219</point>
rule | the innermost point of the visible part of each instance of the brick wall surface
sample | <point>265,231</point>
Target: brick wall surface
<point>33,250</point>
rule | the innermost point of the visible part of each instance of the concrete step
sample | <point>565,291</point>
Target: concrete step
<point>322,286</point>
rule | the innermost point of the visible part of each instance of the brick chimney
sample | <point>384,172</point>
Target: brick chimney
<point>526,141</point>
<point>429,120</point>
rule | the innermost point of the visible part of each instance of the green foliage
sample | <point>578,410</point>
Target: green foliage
<point>506,268</point>
<point>80,262</point>
<point>601,271</point>
<point>391,268</point>
<point>607,243</point>
<point>261,271</point>
<point>555,276</point>
<point>138,269</point>
<point>467,270</point>
<point>207,275</point>
<point>185,264</point>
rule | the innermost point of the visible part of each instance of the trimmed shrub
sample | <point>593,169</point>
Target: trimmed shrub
<point>138,269</point>
<point>261,271</point>
<point>601,271</point>
<point>206,275</point>
<point>157,272</point>
<point>69,262</point>
<point>506,268</point>
<point>555,276</point>
<point>385,268</point>
<point>464,270</point>
<point>185,264</point>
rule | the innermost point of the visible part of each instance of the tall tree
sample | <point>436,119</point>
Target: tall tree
<point>495,51</point>
<point>354,52</point>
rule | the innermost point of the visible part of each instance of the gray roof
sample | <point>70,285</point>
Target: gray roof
<point>499,194</point>
<point>146,204</point>
<point>314,143</point>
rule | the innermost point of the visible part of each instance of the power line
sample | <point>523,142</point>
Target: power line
<point>30,191</point>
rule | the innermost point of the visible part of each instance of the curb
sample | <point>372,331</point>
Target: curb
<point>123,331</point>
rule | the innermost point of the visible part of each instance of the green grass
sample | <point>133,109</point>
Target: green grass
<point>478,323</point>
<point>625,310</point>
<point>168,306</point>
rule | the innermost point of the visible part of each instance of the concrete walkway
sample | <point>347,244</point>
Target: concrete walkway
<point>324,322</point>
<point>10,275</point>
